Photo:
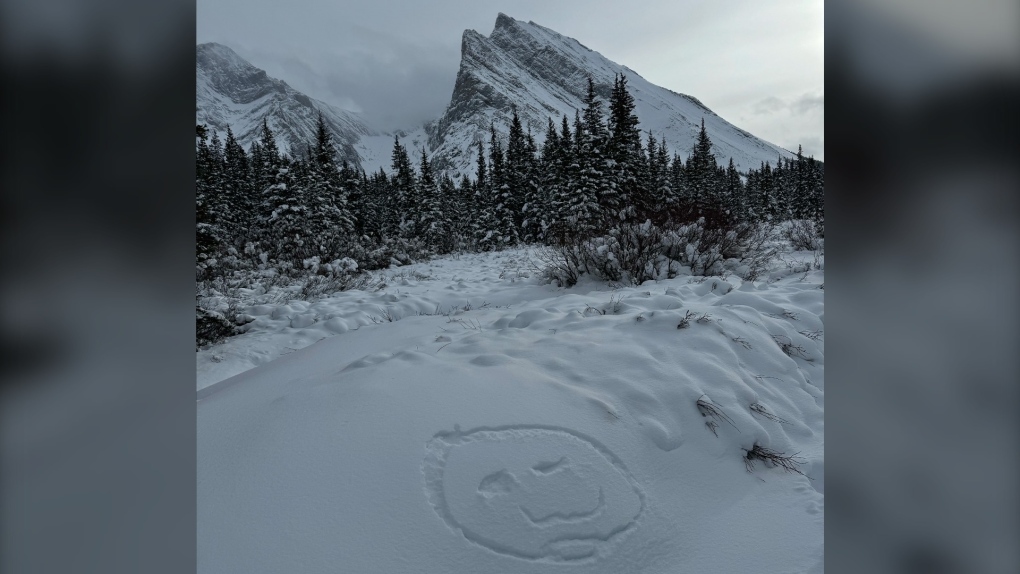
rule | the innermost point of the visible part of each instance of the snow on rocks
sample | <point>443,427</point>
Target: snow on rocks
<point>500,424</point>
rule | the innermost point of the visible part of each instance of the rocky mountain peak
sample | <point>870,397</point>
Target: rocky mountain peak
<point>545,74</point>
<point>231,92</point>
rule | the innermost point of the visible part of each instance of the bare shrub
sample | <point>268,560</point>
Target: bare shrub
<point>773,459</point>
<point>713,412</point>
<point>743,342</point>
<point>788,347</point>
<point>686,321</point>
<point>802,234</point>
<point>634,253</point>
<point>761,410</point>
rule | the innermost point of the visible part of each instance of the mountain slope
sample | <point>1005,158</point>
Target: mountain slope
<point>545,74</point>
<point>232,92</point>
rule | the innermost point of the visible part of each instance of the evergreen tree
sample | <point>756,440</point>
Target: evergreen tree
<point>595,177</point>
<point>330,224</point>
<point>235,203</point>
<point>211,237</point>
<point>535,203</point>
<point>562,166</point>
<point>703,181</point>
<point>430,224</point>
<point>402,186</point>
<point>733,194</point>
<point>516,171</point>
<point>584,214</point>
<point>624,150</point>
<point>484,228</point>
<point>503,197</point>
<point>663,189</point>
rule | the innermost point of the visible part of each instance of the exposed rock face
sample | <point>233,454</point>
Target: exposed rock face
<point>540,71</point>
<point>545,75</point>
<point>232,92</point>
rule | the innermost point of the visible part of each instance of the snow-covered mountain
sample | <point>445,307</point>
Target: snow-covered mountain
<point>540,71</point>
<point>545,75</point>
<point>232,92</point>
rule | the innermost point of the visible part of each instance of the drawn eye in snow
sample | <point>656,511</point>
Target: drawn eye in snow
<point>536,493</point>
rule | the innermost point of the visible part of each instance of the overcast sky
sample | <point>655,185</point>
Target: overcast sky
<point>757,64</point>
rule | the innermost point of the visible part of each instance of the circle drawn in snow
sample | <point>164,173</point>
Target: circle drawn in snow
<point>536,493</point>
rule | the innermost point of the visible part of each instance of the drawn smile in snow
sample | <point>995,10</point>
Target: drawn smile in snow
<point>536,493</point>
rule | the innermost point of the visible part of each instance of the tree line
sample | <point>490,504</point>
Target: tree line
<point>591,175</point>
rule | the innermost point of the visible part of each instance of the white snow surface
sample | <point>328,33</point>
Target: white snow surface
<point>501,424</point>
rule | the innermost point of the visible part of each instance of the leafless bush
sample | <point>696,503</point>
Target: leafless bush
<point>705,319</point>
<point>633,253</point>
<point>761,410</point>
<point>712,426</point>
<point>472,324</point>
<point>713,412</point>
<point>813,335</point>
<point>615,303</point>
<point>743,342</point>
<point>788,347</point>
<point>773,459</point>
<point>686,321</point>
<point>802,235</point>
<point>410,274</point>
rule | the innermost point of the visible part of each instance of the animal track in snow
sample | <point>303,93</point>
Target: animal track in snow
<point>532,492</point>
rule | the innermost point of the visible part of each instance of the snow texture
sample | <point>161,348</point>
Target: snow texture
<point>500,424</point>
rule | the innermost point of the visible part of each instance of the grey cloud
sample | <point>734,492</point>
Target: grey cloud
<point>769,105</point>
<point>394,83</point>
<point>808,103</point>
<point>802,105</point>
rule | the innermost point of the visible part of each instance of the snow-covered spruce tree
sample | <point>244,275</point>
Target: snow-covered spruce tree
<point>503,196</point>
<point>329,224</point>
<point>734,195</point>
<point>624,152</point>
<point>545,173</point>
<point>516,171</point>
<point>402,189</point>
<point>448,205</point>
<point>236,190</point>
<point>703,182</point>
<point>281,213</point>
<point>783,189</point>
<point>557,159</point>
<point>584,180</point>
<point>816,194</point>
<point>661,182</point>
<point>596,168</point>
<point>650,204</point>
<point>536,202</point>
<point>484,227</point>
<point>430,225</point>
<point>680,207</point>
<point>211,237</point>
<point>462,211</point>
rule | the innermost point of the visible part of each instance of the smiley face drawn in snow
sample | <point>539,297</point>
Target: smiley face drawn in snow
<point>536,493</point>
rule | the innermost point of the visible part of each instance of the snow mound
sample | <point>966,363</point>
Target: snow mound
<point>523,428</point>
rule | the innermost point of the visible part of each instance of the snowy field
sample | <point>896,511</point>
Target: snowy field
<point>468,417</point>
